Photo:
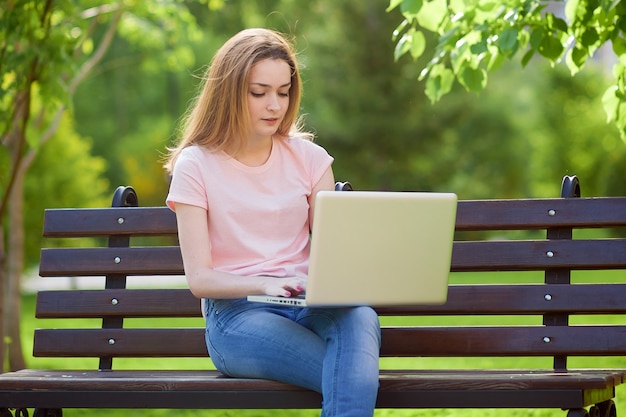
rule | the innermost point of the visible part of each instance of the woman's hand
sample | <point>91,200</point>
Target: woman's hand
<point>283,287</point>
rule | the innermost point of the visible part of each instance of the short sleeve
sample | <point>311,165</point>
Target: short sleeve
<point>317,159</point>
<point>186,186</point>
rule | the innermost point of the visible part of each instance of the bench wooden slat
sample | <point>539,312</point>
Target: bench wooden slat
<point>471,215</point>
<point>535,213</point>
<point>128,303</point>
<point>208,389</point>
<point>106,221</point>
<point>397,341</point>
<point>390,380</point>
<point>163,260</point>
<point>506,341</point>
<point>462,299</point>
<point>466,256</point>
<point>539,255</point>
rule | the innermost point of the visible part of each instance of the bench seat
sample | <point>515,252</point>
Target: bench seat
<point>398,388</point>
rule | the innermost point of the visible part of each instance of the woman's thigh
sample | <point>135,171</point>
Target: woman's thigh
<point>262,341</point>
<point>352,339</point>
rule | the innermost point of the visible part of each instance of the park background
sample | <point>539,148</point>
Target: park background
<point>517,138</point>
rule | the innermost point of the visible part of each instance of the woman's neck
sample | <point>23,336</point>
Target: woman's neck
<point>255,153</point>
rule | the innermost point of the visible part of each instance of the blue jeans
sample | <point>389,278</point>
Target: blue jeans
<point>333,351</point>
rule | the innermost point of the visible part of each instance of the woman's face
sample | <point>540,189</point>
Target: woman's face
<point>268,96</point>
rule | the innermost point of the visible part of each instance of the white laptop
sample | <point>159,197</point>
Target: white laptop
<point>378,248</point>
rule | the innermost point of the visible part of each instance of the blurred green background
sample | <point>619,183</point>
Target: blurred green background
<point>517,138</point>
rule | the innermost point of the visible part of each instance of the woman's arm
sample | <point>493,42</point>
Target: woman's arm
<point>327,182</point>
<point>203,280</point>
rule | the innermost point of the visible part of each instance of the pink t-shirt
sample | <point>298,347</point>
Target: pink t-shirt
<point>257,216</point>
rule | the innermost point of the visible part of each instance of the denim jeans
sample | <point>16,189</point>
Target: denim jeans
<point>333,351</point>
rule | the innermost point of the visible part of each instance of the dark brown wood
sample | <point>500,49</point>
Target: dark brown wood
<point>139,221</point>
<point>208,389</point>
<point>391,380</point>
<point>397,341</point>
<point>535,255</point>
<point>516,299</point>
<point>533,214</point>
<point>156,260</point>
<point>520,214</point>
<point>532,255</point>
<point>125,303</point>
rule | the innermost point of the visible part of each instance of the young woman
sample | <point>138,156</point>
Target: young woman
<point>244,179</point>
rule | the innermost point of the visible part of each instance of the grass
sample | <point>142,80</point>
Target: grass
<point>29,323</point>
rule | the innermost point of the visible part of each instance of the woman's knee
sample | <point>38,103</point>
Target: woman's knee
<point>358,323</point>
<point>369,321</point>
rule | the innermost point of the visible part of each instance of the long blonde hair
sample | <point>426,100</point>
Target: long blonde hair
<point>218,118</point>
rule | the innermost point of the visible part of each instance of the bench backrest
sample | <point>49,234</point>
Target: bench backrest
<point>139,241</point>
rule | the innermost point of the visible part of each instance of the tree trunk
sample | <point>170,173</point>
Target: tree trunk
<point>3,284</point>
<point>12,213</point>
<point>15,266</point>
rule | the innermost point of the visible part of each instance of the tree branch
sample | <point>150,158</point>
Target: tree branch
<point>102,48</point>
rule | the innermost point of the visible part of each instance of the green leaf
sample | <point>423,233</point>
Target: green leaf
<point>411,6</point>
<point>479,48</point>
<point>508,41</point>
<point>87,46</point>
<point>590,37</point>
<point>619,45</point>
<point>488,5</point>
<point>576,58</point>
<point>450,37</point>
<point>621,23</point>
<point>402,47</point>
<point>555,23</point>
<point>459,56</point>
<point>536,37</point>
<point>608,5</point>
<point>496,61</point>
<point>418,44</point>
<point>618,70</point>
<point>432,14</point>
<point>401,27</point>
<point>611,103</point>
<point>473,79</point>
<point>621,121</point>
<point>439,82</point>
<point>570,9</point>
<point>550,48</point>
<point>392,5</point>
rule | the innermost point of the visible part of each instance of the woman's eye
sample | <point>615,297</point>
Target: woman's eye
<point>283,94</point>
<point>256,94</point>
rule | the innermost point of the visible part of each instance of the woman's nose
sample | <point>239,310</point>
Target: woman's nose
<point>272,103</point>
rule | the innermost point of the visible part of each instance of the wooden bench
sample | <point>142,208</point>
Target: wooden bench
<point>532,320</point>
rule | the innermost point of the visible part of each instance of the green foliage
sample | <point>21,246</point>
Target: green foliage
<point>37,46</point>
<point>473,38</point>
<point>47,48</point>
<point>511,141</point>
<point>367,110</point>
<point>141,156</point>
<point>65,175</point>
